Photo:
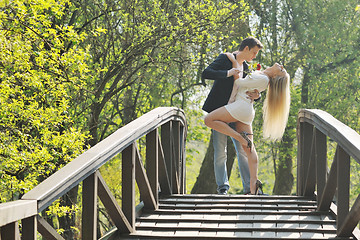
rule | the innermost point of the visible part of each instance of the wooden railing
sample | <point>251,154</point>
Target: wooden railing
<point>165,130</point>
<point>314,126</point>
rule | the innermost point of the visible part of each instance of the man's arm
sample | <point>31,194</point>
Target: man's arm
<point>253,95</point>
<point>218,69</point>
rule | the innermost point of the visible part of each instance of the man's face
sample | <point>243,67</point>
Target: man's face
<point>251,53</point>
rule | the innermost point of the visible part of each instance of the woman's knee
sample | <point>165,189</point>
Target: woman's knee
<point>207,120</point>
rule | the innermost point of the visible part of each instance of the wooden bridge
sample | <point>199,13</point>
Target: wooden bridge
<point>319,211</point>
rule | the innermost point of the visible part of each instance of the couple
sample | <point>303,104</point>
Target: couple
<point>230,110</point>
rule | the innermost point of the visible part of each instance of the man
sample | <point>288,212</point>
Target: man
<point>222,72</point>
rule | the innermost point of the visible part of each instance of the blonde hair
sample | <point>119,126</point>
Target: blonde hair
<point>276,107</point>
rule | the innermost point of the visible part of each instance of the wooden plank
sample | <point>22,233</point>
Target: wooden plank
<point>240,196</point>
<point>46,230</point>
<point>271,227</point>
<point>175,180</point>
<point>152,163</point>
<point>177,157</point>
<point>330,187</point>
<point>89,211</point>
<point>143,183</point>
<point>306,136</point>
<point>236,207</point>
<point>183,135</point>
<point>164,180</point>
<point>152,219</point>
<point>128,183</point>
<point>87,163</point>
<point>299,162</point>
<point>240,212</point>
<point>343,186</point>
<point>10,231</point>
<point>310,181</point>
<point>167,150</point>
<point>321,162</point>
<point>112,207</point>
<point>29,228</point>
<point>265,202</point>
<point>16,210</point>
<point>351,220</point>
<point>174,158</point>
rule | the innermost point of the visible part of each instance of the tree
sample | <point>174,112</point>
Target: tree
<point>206,182</point>
<point>318,51</point>
<point>37,76</point>
<point>146,55</point>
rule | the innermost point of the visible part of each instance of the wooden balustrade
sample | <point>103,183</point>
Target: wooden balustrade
<point>314,126</point>
<point>11,213</point>
<point>165,131</point>
<point>164,174</point>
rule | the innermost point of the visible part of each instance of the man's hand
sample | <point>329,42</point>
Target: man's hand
<point>233,72</point>
<point>252,95</point>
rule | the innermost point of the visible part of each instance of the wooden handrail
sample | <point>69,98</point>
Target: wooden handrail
<point>168,161</point>
<point>87,163</point>
<point>314,126</point>
<point>12,212</point>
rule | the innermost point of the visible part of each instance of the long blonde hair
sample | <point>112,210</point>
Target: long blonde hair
<point>276,107</point>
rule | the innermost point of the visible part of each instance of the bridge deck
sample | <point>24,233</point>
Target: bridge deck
<point>235,216</point>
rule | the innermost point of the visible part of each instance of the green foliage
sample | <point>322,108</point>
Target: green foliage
<point>69,67</point>
<point>317,41</point>
<point>328,49</point>
<point>329,45</point>
<point>37,76</point>
<point>145,54</point>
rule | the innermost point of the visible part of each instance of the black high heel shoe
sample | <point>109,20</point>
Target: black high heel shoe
<point>245,136</point>
<point>258,186</point>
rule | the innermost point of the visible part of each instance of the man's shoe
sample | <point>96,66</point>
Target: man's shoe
<point>223,191</point>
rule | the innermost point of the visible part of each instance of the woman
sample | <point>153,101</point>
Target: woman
<point>275,112</point>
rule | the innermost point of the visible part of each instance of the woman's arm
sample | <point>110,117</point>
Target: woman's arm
<point>235,63</point>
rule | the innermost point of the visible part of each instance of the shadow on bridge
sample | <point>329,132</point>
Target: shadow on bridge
<point>320,210</point>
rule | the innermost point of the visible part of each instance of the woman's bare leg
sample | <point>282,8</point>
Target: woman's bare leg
<point>251,154</point>
<point>219,119</point>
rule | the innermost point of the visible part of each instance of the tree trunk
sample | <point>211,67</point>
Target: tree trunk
<point>205,182</point>
<point>93,124</point>
<point>68,220</point>
<point>305,87</point>
<point>284,178</point>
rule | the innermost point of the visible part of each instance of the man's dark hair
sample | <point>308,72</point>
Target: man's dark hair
<point>250,42</point>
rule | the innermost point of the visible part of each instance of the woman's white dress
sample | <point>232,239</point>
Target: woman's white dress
<point>242,108</point>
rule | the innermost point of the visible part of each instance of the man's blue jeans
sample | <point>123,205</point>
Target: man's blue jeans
<point>220,158</point>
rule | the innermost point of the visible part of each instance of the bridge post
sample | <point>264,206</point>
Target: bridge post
<point>152,162</point>
<point>343,187</point>
<point>29,228</point>
<point>177,155</point>
<point>304,152</point>
<point>321,163</point>
<point>89,214</point>
<point>128,183</point>
<point>10,231</point>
